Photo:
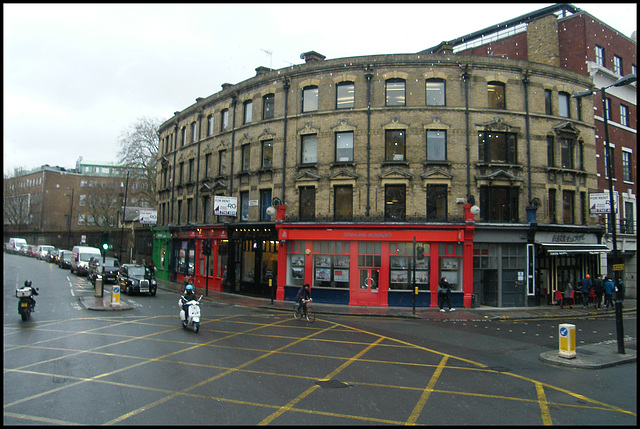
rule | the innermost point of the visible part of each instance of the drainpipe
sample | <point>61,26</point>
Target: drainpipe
<point>234,100</point>
<point>368,76</point>
<point>286,86</point>
<point>466,76</point>
<point>526,81</point>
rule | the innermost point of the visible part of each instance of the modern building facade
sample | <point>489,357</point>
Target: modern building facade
<point>372,177</point>
<point>567,37</point>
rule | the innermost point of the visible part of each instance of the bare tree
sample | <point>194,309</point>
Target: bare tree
<point>103,204</point>
<point>17,204</point>
<point>138,151</point>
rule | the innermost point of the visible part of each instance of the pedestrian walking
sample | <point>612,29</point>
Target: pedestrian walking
<point>598,288</point>
<point>444,294</point>
<point>566,295</point>
<point>609,288</point>
<point>586,290</point>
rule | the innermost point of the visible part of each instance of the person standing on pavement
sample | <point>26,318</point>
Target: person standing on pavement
<point>609,288</point>
<point>566,295</point>
<point>586,289</point>
<point>444,294</point>
<point>598,288</point>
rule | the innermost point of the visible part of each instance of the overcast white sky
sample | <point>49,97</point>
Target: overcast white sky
<point>76,76</point>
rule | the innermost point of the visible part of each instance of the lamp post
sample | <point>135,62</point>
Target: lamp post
<point>626,80</point>
<point>70,217</point>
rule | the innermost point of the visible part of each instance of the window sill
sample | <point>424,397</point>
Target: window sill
<point>430,163</point>
<point>401,163</point>
<point>498,165</point>
<point>310,165</point>
<point>342,164</point>
<point>565,170</point>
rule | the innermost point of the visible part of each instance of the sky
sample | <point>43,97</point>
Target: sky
<point>76,76</point>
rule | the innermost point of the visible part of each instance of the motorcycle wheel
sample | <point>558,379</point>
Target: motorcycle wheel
<point>196,327</point>
<point>25,315</point>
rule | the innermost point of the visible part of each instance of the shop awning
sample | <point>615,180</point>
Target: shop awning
<point>570,249</point>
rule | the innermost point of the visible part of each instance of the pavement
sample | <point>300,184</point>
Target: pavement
<point>592,356</point>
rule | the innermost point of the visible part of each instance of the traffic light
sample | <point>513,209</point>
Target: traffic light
<point>419,253</point>
<point>104,241</point>
<point>206,247</point>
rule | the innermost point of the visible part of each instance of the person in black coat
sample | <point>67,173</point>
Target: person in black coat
<point>444,294</point>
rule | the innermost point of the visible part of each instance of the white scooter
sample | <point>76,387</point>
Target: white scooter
<point>193,318</point>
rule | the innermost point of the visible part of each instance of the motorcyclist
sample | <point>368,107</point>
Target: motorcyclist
<point>32,302</point>
<point>189,294</point>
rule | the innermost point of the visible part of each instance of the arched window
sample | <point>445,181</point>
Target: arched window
<point>495,92</point>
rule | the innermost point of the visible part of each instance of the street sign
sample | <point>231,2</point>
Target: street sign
<point>599,203</point>
<point>618,267</point>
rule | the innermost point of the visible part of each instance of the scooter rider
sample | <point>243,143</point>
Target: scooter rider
<point>32,302</point>
<point>189,294</point>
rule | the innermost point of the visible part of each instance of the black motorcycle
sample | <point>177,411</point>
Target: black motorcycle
<point>26,303</point>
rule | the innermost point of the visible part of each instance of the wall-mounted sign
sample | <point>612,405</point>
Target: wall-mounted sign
<point>148,217</point>
<point>225,206</point>
<point>599,203</point>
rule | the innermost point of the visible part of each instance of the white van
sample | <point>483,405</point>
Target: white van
<point>16,243</point>
<point>80,258</point>
<point>43,250</point>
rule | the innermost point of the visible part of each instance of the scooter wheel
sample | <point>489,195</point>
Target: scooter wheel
<point>184,324</point>
<point>196,327</point>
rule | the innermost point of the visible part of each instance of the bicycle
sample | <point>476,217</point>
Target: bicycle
<point>297,312</point>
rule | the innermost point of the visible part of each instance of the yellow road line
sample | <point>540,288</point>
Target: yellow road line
<point>544,409</point>
<point>427,391</point>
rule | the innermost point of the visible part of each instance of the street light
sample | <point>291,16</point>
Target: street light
<point>70,217</point>
<point>626,80</point>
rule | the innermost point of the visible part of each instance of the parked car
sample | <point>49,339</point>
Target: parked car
<point>52,256</point>
<point>64,259</point>
<point>136,278</point>
<point>111,268</point>
<point>24,250</point>
<point>43,249</point>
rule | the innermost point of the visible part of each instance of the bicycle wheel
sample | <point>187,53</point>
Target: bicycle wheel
<point>296,312</point>
<point>311,315</point>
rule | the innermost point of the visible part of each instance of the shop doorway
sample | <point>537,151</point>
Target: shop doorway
<point>512,288</point>
<point>366,292</point>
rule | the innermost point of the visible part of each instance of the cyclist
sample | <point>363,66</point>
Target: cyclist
<point>304,295</point>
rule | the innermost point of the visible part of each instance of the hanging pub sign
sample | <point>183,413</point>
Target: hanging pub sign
<point>225,206</point>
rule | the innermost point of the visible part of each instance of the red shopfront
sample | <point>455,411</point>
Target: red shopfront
<point>372,265</point>
<point>190,259</point>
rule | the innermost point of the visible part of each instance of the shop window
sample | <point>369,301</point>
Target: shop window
<point>497,147</point>
<point>436,145</point>
<point>295,274</point>
<point>267,154</point>
<point>310,99</point>
<point>345,95</point>
<point>495,91</point>
<point>344,146</point>
<point>184,258</point>
<point>436,203</point>
<point>309,150</point>
<point>395,203</point>
<point>268,106</point>
<point>568,207</point>
<point>499,203</point>
<point>451,264</point>
<point>307,203</point>
<point>395,92</point>
<point>400,266</point>
<point>249,248</point>
<point>435,92</point>
<point>395,141</point>
<point>484,256</point>
<point>331,264</point>
<point>343,203</point>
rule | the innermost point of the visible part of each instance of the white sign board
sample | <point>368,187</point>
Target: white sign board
<point>599,203</point>
<point>225,206</point>
<point>148,217</point>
